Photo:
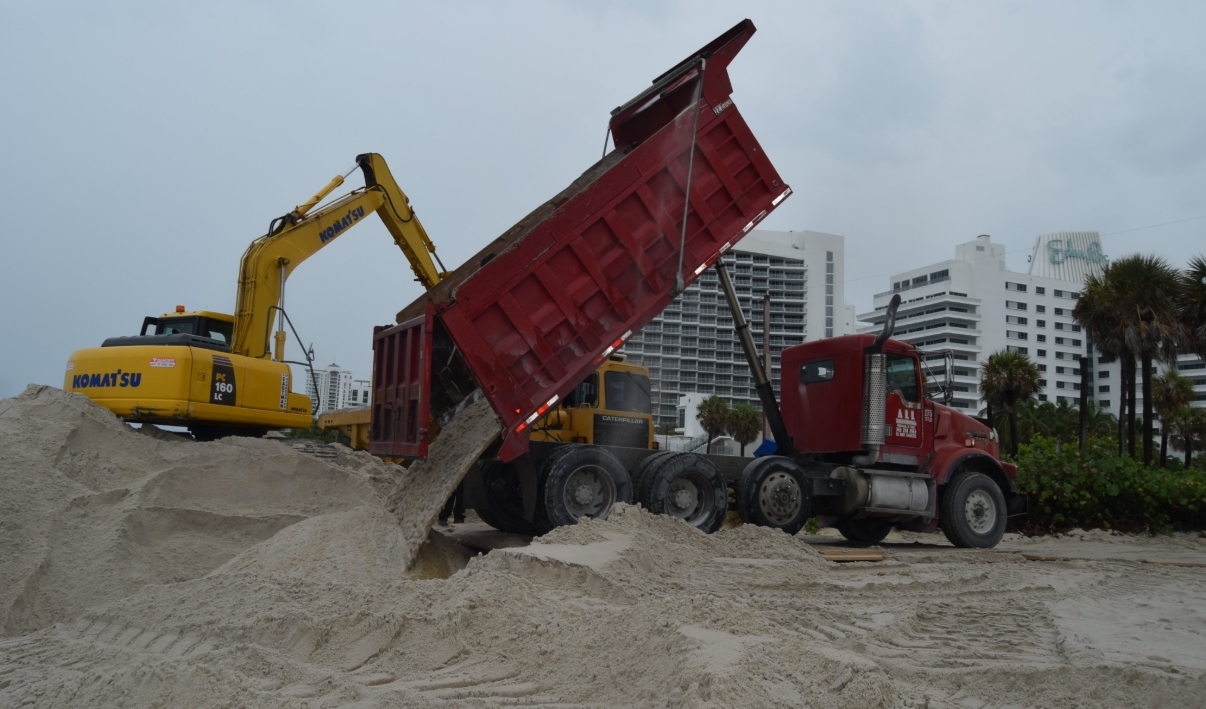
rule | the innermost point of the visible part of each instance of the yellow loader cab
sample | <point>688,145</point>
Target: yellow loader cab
<point>179,371</point>
<point>611,408</point>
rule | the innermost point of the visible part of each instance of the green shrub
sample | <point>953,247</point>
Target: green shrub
<point>1103,489</point>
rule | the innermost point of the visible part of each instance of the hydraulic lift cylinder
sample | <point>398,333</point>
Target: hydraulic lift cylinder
<point>766,393</point>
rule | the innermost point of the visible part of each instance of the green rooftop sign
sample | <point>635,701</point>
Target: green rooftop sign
<point>1060,250</point>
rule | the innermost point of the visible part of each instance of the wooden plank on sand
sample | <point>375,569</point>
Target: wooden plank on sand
<point>851,555</point>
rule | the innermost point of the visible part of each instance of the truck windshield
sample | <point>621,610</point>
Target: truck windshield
<point>902,377</point>
<point>627,392</point>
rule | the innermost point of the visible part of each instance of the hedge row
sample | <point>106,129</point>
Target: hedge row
<point>1104,489</point>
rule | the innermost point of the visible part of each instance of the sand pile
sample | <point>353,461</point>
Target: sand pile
<point>93,510</point>
<point>639,610</point>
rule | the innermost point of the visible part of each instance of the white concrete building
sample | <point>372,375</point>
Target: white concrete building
<point>360,393</point>
<point>975,306</point>
<point>691,347</point>
<point>334,388</point>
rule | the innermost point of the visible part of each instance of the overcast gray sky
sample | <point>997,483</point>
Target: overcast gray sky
<point>145,144</point>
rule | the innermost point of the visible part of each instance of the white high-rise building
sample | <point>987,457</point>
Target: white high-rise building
<point>691,347</point>
<point>334,388</point>
<point>360,393</point>
<point>974,306</point>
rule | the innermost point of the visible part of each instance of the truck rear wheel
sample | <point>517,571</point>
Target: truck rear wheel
<point>773,492</point>
<point>505,512</point>
<point>641,476</point>
<point>973,511</point>
<point>869,530</point>
<point>689,487</point>
<point>583,481</point>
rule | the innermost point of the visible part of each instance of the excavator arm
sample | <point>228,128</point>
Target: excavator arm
<point>298,235</point>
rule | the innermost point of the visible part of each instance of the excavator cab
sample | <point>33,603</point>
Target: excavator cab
<point>215,326</point>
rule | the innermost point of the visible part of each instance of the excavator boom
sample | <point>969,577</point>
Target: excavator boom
<point>297,236</point>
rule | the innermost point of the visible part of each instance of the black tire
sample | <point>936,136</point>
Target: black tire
<point>687,486</point>
<point>640,487</point>
<point>581,481</point>
<point>868,530</point>
<point>505,499</point>
<point>774,492</point>
<point>973,511</point>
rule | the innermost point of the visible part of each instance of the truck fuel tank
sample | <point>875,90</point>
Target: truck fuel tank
<point>884,491</point>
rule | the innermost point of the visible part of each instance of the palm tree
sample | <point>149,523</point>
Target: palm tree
<point>1188,426</point>
<point>1098,313</point>
<point>1192,307</point>
<point>1170,391</point>
<point>1138,319</point>
<point>713,415</point>
<point>745,423</point>
<point>1006,379</point>
<point>1101,422</point>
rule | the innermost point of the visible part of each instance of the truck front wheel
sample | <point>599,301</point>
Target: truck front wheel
<point>773,492</point>
<point>973,511</point>
<point>583,481</point>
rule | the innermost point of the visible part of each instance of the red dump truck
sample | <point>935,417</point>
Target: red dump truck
<point>525,321</point>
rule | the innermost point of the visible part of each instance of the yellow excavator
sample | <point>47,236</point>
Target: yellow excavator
<point>218,374</point>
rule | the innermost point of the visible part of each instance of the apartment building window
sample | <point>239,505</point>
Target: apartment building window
<point>1060,370</point>
<point>1041,338</point>
<point>1103,389</point>
<point>1059,326</point>
<point>1039,290</point>
<point>1103,374</point>
<point>1042,353</point>
<point>1015,305</point>
<point>1015,320</point>
<point>1015,335</point>
<point>1016,287</point>
<point>1042,382</point>
<point>1040,323</point>
<point>1040,308</point>
<point>1042,367</point>
<point>1019,350</point>
<point>1105,403</point>
<point>1059,385</point>
<point>1061,311</point>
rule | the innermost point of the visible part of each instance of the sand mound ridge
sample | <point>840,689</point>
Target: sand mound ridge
<point>94,509</point>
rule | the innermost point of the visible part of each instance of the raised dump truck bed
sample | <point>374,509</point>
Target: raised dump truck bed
<point>530,316</point>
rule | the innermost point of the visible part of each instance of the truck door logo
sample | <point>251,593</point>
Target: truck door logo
<point>222,390</point>
<point>906,423</point>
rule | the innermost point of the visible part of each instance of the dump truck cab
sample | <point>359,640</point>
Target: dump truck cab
<point>865,447</point>
<point>611,407</point>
